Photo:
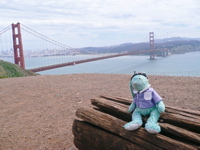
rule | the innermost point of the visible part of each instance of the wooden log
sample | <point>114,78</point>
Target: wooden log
<point>111,124</point>
<point>118,99</point>
<point>81,146</point>
<point>116,109</point>
<point>186,111</point>
<point>89,137</point>
<point>120,111</point>
<point>180,133</point>
<point>182,121</point>
<point>182,117</point>
<point>177,124</point>
<point>172,109</point>
<point>168,110</point>
<point>140,136</point>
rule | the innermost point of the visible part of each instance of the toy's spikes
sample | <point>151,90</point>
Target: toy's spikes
<point>139,73</point>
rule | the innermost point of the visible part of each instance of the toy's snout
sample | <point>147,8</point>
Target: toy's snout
<point>137,81</point>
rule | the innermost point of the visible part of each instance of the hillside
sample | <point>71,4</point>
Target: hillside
<point>8,70</point>
<point>175,45</point>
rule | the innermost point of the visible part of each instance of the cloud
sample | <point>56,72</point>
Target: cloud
<point>92,21</point>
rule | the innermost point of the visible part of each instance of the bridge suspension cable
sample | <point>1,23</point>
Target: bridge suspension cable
<point>31,31</point>
<point>46,50</point>
<point>5,29</point>
<point>6,46</point>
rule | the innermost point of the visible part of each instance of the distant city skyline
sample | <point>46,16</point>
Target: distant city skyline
<point>85,23</point>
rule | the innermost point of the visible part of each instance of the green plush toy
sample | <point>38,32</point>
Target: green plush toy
<point>146,101</point>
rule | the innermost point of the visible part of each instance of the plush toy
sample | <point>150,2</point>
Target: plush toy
<point>146,101</point>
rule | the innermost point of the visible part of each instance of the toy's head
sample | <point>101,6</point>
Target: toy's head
<point>139,81</point>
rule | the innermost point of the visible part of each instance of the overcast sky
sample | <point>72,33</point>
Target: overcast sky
<point>81,23</point>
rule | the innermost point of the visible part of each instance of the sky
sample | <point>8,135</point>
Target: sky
<point>84,23</point>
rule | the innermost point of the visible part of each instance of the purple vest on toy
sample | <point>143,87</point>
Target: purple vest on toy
<point>147,99</point>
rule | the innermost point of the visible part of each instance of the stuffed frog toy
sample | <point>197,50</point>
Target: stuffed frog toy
<point>146,102</point>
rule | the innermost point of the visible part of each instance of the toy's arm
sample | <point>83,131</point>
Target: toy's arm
<point>161,106</point>
<point>131,107</point>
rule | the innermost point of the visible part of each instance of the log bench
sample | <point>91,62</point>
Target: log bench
<point>101,127</point>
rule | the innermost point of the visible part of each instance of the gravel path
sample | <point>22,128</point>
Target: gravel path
<point>37,112</point>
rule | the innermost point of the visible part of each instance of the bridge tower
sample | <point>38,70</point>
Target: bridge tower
<point>151,45</point>
<point>17,45</point>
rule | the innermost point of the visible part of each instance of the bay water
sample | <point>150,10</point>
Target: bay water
<point>187,64</point>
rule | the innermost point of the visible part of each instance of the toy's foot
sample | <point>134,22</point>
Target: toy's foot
<point>132,126</point>
<point>152,131</point>
<point>152,128</point>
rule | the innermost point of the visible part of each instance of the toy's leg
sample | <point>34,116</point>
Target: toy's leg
<point>136,121</point>
<point>152,125</point>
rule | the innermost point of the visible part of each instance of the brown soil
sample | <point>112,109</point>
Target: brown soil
<point>37,112</point>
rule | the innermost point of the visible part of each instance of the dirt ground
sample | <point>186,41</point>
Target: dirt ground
<point>37,112</point>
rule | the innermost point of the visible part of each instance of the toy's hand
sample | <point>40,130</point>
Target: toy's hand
<point>161,106</point>
<point>131,107</point>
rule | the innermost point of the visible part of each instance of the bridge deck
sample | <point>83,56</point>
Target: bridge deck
<point>89,60</point>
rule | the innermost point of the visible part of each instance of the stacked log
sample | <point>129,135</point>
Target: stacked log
<point>101,127</point>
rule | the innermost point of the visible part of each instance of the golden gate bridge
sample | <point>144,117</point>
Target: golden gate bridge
<point>13,45</point>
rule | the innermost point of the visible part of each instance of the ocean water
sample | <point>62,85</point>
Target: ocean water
<point>174,65</point>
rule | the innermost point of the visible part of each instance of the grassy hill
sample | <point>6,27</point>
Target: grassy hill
<point>9,70</point>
